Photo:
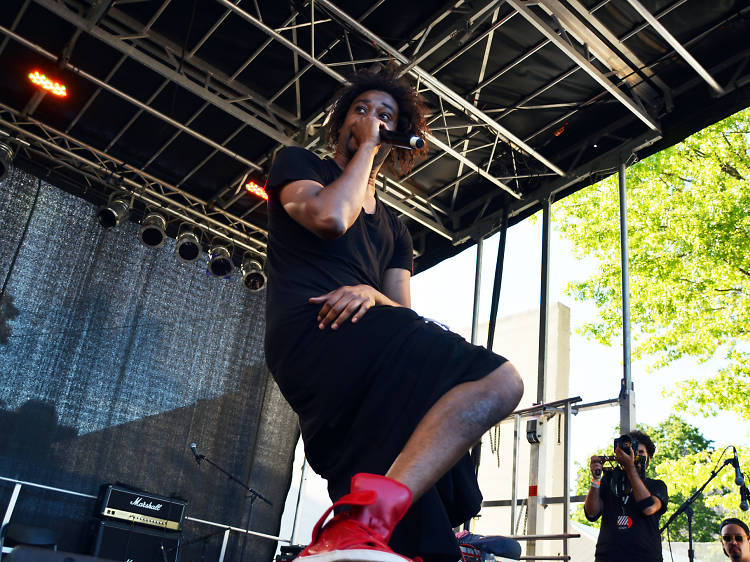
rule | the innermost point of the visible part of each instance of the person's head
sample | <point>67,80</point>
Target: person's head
<point>646,447</point>
<point>409,112</point>
<point>735,539</point>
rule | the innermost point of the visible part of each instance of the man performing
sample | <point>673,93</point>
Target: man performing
<point>630,504</point>
<point>388,402</point>
<point>735,539</point>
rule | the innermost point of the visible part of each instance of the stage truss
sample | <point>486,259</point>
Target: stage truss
<point>529,100</point>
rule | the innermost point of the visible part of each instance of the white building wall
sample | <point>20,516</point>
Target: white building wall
<point>517,338</point>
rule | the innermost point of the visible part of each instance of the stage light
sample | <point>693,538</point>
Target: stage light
<point>114,212</point>
<point>153,230</point>
<point>54,88</point>
<point>6,158</point>
<point>256,190</point>
<point>220,262</point>
<point>188,247</point>
<point>253,278</point>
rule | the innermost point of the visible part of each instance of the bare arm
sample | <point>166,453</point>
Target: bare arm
<point>593,505</point>
<point>349,301</point>
<point>397,287</point>
<point>354,301</point>
<point>640,492</point>
<point>329,211</point>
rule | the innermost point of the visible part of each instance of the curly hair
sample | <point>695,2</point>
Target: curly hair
<point>411,111</point>
<point>644,440</point>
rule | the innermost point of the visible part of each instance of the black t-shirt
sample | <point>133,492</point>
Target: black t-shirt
<point>301,265</point>
<point>626,534</point>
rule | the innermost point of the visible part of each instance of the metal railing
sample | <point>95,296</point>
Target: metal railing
<point>565,407</point>
<point>19,484</point>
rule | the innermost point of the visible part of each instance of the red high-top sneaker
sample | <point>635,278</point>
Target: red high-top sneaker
<point>361,534</point>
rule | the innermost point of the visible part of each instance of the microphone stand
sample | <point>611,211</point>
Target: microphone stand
<point>254,495</point>
<point>688,511</point>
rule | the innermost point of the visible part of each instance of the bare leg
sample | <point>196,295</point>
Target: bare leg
<point>453,425</point>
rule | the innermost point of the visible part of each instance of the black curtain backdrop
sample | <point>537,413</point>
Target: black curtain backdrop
<point>114,357</point>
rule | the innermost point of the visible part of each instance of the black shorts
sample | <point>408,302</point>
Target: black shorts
<point>361,390</point>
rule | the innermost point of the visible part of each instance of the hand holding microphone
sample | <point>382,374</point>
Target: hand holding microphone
<point>400,140</point>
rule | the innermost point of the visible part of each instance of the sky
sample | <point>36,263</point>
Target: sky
<point>520,292</point>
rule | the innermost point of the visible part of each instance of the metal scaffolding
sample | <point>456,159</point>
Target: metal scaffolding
<point>478,138</point>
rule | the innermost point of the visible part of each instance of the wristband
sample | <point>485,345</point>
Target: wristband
<point>596,483</point>
<point>645,503</point>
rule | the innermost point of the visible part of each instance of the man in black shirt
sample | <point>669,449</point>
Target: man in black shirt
<point>388,402</point>
<point>629,503</point>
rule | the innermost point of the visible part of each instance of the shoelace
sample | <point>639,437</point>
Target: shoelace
<point>371,540</point>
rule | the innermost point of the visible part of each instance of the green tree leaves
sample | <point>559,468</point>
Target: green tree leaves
<point>689,259</point>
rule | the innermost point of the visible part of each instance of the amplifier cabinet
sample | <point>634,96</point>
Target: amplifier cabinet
<point>130,543</point>
<point>141,507</point>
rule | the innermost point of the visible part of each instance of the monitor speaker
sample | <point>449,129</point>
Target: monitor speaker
<point>124,542</point>
<point>35,554</point>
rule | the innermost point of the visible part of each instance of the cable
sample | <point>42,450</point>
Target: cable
<point>23,238</point>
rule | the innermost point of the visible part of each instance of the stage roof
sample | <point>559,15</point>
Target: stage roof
<point>179,103</point>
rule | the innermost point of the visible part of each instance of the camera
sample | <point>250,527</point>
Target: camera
<point>626,443</point>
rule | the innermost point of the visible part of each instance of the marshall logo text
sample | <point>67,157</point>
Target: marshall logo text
<point>140,502</point>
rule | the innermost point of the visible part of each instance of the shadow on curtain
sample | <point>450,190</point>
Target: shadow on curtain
<point>114,358</point>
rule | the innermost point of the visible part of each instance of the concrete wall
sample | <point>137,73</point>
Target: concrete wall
<point>517,338</point>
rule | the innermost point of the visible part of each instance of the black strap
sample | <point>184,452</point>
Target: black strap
<point>645,503</point>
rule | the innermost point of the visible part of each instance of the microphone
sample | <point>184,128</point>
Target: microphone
<point>744,497</point>
<point>194,448</point>
<point>739,478</point>
<point>401,140</point>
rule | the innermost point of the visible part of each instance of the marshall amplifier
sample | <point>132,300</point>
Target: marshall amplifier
<point>129,543</point>
<point>140,507</point>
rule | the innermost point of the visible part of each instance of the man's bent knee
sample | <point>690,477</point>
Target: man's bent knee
<point>506,386</point>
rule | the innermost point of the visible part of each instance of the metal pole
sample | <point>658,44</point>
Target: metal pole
<point>477,288</point>
<point>536,453</point>
<point>476,451</point>
<point>224,543</point>
<point>566,479</point>
<point>543,303</point>
<point>627,397</point>
<point>299,499</point>
<point>498,280</point>
<point>514,484</point>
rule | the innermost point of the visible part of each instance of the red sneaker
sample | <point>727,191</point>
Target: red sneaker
<point>361,534</point>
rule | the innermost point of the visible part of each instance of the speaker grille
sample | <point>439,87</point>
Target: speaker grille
<point>129,543</point>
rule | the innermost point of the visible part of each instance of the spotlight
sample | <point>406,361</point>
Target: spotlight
<point>6,157</point>
<point>152,232</point>
<point>253,278</point>
<point>188,244</point>
<point>256,190</point>
<point>114,212</point>
<point>220,262</point>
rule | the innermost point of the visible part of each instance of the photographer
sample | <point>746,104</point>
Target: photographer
<point>630,504</point>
